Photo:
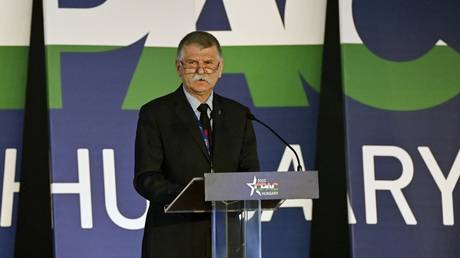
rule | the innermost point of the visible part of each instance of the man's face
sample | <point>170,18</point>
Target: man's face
<point>200,69</point>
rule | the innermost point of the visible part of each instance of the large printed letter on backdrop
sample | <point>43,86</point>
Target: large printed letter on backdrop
<point>14,42</point>
<point>400,70</point>
<point>107,58</point>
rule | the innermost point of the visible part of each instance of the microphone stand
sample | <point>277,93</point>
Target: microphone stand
<point>253,118</point>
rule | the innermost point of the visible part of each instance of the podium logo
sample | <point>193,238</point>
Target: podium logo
<point>262,187</point>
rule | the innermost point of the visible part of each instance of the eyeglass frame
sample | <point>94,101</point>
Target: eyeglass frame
<point>206,70</point>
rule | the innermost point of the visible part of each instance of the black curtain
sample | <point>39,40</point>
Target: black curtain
<point>34,233</point>
<point>330,235</point>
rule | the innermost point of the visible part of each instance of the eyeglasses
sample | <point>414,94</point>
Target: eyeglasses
<point>191,66</point>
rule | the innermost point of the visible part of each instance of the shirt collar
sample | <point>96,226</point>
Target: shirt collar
<point>194,102</point>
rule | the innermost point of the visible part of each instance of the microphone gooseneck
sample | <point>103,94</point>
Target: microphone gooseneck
<point>253,118</point>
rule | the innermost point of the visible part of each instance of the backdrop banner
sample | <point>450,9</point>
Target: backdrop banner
<point>107,58</point>
<point>402,106</point>
<point>14,42</point>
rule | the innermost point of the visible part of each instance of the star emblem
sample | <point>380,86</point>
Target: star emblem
<point>253,187</point>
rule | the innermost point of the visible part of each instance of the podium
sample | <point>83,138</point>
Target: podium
<point>236,202</point>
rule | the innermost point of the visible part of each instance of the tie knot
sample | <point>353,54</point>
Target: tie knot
<point>203,108</point>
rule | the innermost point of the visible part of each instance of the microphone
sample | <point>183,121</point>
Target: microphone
<point>253,118</point>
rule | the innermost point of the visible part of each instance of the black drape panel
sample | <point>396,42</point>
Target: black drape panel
<point>330,237</point>
<point>34,235</point>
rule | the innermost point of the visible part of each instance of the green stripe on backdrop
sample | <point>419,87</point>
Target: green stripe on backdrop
<point>13,76</point>
<point>273,73</point>
<point>390,85</point>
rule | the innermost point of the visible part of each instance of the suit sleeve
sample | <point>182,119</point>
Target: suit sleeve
<point>249,160</point>
<point>149,179</point>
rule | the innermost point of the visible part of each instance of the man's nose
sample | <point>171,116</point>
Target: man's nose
<point>200,69</point>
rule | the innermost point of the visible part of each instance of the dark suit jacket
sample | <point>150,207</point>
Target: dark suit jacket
<point>169,152</point>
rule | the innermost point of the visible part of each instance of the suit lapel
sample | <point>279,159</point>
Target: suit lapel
<point>187,116</point>
<point>218,127</point>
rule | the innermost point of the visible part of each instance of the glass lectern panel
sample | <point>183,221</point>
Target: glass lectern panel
<point>236,229</point>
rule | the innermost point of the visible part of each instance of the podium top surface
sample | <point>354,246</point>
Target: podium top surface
<point>191,200</point>
<point>270,187</point>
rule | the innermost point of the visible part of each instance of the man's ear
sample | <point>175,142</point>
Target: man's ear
<point>221,68</point>
<point>178,67</point>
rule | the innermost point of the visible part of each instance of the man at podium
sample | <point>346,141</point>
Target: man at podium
<point>183,135</point>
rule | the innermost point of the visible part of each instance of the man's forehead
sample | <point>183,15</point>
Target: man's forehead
<point>196,49</point>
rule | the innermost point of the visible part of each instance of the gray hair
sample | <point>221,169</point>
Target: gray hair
<point>200,38</point>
